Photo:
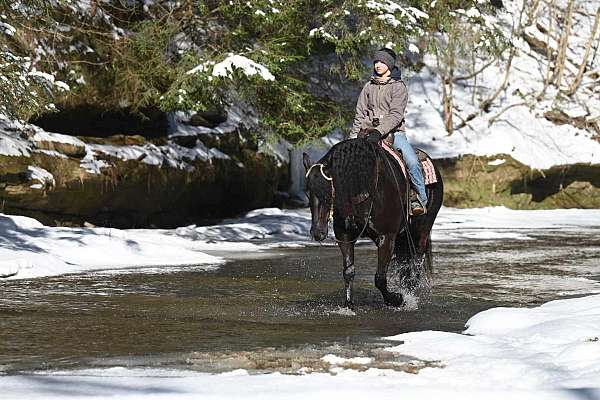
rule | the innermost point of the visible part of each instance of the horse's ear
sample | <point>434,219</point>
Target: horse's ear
<point>306,161</point>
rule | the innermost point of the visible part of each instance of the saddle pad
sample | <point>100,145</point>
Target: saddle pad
<point>429,171</point>
<point>426,164</point>
<point>396,156</point>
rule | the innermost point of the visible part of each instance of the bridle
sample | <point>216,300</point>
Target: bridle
<point>330,180</point>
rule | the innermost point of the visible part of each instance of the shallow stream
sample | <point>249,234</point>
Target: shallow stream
<point>276,312</point>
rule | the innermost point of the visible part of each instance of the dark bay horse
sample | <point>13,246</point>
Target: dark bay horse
<point>360,186</point>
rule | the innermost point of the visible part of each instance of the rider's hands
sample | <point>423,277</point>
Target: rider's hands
<point>374,136</point>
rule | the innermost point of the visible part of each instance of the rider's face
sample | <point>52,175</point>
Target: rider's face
<point>380,68</point>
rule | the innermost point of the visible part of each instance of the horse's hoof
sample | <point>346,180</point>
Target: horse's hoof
<point>349,305</point>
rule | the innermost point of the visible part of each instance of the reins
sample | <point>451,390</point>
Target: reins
<point>405,211</point>
<point>370,207</point>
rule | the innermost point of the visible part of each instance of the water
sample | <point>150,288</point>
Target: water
<point>281,312</point>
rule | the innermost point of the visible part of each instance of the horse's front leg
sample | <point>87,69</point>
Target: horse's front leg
<point>348,259</point>
<point>384,255</point>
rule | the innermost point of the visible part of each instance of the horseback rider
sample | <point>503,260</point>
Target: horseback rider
<point>380,116</point>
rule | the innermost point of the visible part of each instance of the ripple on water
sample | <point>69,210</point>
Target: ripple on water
<point>278,314</point>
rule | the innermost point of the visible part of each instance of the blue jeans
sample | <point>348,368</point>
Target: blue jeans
<point>412,164</point>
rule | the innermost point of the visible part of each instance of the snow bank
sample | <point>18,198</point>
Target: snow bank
<point>555,345</point>
<point>263,225</point>
<point>494,223</point>
<point>275,226</point>
<point>548,352</point>
<point>29,249</point>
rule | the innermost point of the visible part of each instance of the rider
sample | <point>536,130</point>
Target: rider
<point>380,116</point>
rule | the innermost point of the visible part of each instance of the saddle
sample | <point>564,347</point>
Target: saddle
<point>426,163</point>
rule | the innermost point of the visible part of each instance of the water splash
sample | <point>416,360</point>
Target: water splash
<point>412,279</point>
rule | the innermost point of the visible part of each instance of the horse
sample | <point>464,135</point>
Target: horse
<point>359,185</point>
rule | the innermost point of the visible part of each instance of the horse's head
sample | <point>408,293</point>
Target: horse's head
<point>319,189</point>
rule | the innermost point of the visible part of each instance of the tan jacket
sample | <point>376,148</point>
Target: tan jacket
<point>386,101</point>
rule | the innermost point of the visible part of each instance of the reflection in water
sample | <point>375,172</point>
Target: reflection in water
<point>279,313</point>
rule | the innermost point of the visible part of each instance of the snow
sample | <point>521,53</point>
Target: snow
<point>44,177</point>
<point>13,146</point>
<point>267,224</point>
<point>50,78</point>
<point>276,227</point>
<point>496,162</point>
<point>547,352</point>
<point>336,360</point>
<point>519,132</point>
<point>515,124</point>
<point>552,346</point>
<point>7,29</point>
<point>43,136</point>
<point>29,249</point>
<point>248,67</point>
<point>170,154</point>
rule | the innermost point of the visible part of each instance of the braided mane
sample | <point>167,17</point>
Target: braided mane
<point>351,163</point>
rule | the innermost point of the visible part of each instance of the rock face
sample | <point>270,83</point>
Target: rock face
<point>478,181</point>
<point>204,173</point>
<point>131,182</point>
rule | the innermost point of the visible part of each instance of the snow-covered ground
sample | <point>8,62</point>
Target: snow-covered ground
<point>547,352</point>
<point>30,249</point>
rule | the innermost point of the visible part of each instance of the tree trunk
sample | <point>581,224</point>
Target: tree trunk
<point>563,45</point>
<point>588,48</point>
<point>516,31</point>
<point>548,77</point>
<point>448,103</point>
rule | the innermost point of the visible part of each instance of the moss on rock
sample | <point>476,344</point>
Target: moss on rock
<point>500,180</point>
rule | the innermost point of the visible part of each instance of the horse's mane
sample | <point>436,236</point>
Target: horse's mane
<point>351,164</point>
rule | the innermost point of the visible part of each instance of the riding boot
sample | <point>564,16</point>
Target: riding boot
<point>416,204</point>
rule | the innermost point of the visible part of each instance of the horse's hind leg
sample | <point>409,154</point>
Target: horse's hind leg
<point>384,256</point>
<point>348,259</point>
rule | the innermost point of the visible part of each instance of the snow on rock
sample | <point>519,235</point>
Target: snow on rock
<point>43,177</point>
<point>59,145</point>
<point>43,136</point>
<point>13,146</point>
<point>7,29</point>
<point>496,162</point>
<point>337,360</point>
<point>555,345</point>
<point>239,115</point>
<point>50,79</point>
